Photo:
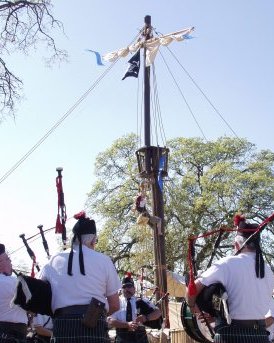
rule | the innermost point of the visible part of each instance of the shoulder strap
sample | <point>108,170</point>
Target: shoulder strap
<point>46,322</point>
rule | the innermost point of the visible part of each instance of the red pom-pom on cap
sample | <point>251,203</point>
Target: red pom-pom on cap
<point>238,218</point>
<point>128,274</point>
<point>80,215</point>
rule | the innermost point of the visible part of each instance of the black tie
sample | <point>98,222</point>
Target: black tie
<point>128,311</point>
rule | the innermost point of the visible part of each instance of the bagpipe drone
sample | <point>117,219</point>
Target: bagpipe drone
<point>32,294</point>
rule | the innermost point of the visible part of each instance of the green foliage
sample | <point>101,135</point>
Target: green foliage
<point>208,183</point>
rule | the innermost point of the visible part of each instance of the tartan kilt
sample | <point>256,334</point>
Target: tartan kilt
<point>42,339</point>
<point>125,336</point>
<point>234,334</point>
<point>70,329</point>
<point>12,332</point>
<point>11,340</point>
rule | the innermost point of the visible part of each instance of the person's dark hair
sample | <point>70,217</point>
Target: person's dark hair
<point>2,249</point>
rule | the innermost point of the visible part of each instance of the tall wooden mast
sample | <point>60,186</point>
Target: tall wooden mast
<point>152,163</point>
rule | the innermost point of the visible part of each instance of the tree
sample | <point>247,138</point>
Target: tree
<point>23,24</point>
<point>211,182</point>
<point>208,183</point>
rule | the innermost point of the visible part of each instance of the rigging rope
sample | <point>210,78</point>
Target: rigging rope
<point>157,122</point>
<point>203,93</point>
<point>158,108</point>
<point>55,126</point>
<point>187,104</point>
<point>197,86</point>
<point>59,122</point>
<point>137,115</point>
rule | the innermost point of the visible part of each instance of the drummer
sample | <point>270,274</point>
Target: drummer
<point>248,281</point>
<point>13,320</point>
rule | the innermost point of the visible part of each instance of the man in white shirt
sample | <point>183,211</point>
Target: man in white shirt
<point>75,281</point>
<point>249,283</point>
<point>13,320</point>
<point>133,316</point>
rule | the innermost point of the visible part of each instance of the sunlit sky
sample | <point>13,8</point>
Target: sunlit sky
<point>230,58</point>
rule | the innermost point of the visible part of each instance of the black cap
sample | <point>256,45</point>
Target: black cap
<point>127,280</point>
<point>246,229</point>
<point>84,226</point>
<point>2,249</point>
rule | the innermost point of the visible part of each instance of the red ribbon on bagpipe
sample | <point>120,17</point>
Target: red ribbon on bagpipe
<point>61,219</point>
<point>191,251</point>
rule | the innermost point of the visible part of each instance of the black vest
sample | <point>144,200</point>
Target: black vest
<point>144,308</point>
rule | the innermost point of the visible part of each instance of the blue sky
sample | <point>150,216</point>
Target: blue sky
<point>230,58</point>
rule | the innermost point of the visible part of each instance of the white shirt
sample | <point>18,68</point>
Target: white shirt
<point>8,312</point>
<point>121,314</point>
<point>43,320</point>
<point>249,297</point>
<point>101,279</point>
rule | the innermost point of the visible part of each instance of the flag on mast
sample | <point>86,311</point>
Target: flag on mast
<point>134,66</point>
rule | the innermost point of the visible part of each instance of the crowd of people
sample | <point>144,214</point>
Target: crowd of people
<point>85,297</point>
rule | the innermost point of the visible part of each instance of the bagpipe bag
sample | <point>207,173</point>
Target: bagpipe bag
<point>209,300</point>
<point>144,308</point>
<point>33,295</point>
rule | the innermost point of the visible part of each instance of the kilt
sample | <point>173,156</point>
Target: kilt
<point>12,332</point>
<point>70,329</point>
<point>43,339</point>
<point>236,334</point>
<point>6,339</point>
<point>125,336</point>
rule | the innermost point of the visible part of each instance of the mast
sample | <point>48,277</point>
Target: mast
<point>152,161</point>
<point>147,34</point>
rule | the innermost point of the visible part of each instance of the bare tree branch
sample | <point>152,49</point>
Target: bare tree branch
<point>24,24</point>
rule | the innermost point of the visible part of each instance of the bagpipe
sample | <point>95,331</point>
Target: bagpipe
<point>214,298</point>
<point>144,308</point>
<point>33,294</point>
